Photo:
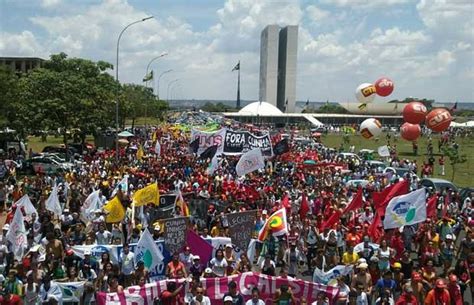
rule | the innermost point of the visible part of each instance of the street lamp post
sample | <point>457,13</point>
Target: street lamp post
<point>118,85</point>
<point>158,82</point>
<point>168,89</point>
<point>146,85</point>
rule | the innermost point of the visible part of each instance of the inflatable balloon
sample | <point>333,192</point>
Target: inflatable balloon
<point>370,128</point>
<point>438,119</point>
<point>384,86</point>
<point>410,132</point>
<point>414,113</point>
<point>365,93</point>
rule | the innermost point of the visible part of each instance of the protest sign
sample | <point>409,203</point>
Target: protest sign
<point>239,142</point>
<point>241,227</point>
<point>175,233</point>
<point>217,287</point>
<point>72,291</point>
<point>209,139</point>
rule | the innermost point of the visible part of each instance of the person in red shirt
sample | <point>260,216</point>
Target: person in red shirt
<point>171,295</point>
<point>454,290</point>
<point>6,298</point>
<point>438,295</point>
<point>174,266</point>
<point>407,297</point>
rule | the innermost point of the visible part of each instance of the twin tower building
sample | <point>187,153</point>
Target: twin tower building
<point>278,52</point>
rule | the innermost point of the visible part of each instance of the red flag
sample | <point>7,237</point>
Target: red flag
<point>285,202</point>
<point>431,207</point>
<point>333,219</point>
<point>374,231</point>
<point>304,208</point>
<point>199,246</point>
<point>381,199</point>
<point>447,201</point>
<point>356,202</point>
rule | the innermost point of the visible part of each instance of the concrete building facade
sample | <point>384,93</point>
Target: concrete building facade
<point>269,64</point>
<point>278,56</point>
<point>21,64</point>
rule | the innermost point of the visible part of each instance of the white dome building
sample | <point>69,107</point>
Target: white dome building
<point>260,108</point>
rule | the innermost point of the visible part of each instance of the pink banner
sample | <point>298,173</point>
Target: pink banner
<point>216,287</point>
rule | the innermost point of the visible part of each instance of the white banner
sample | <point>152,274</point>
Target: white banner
<point>72,291</point>
<point>208,139</point>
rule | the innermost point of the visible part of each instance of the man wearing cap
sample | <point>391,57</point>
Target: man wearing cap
<point>233,295</point>
<point>439,295</point>
<point>407,297</point>
<point>362,277</point>
<point>196,268</point>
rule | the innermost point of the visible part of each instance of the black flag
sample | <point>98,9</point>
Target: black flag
<point>208,153</point>
<point>281,147</point>
<point>194,145</point>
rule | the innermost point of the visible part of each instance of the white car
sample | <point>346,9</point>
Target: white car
<point>49,165</point>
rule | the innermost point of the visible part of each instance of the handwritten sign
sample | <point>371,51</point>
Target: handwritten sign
<point>175,233</point>
<point>241,228</point>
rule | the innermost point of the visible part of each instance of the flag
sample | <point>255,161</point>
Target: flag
<point>249,162</point>
<point>304,207</point>
<point>281,147</point>
<point>381,199</point>
<point>356,202</point>
<point>237,67</point>
<point>194,145</point>
<point>431,207</point>
<point>319,276</point>
<point>148,77</point>
<point>25,203</point>
<point>406,209</point>
<point>276,224</point>
<point>115,209</point>
<point>16,235</point>
<point>153,136</point>
<point>209,153</point>
<point>148,252</point>
<point>91,204</point>
<point>455,106</point>
<point>332,220</point>
<point>140,152</point>
<point>285,202</point>
<point>374,230</point>
<point>383,151</point>
<point>146,195</point>
<point>199,246</point>
<point>158,148</point>
<point>123,185</point>
<point>182,205</point>
<point>71,291</point>
<point>52,203</point>
<point>213,165</point>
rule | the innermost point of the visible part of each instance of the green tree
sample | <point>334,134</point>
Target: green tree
<point>70,94</point>
<point>454,159</point>
<point>8,92</point>
<point>331,108</point>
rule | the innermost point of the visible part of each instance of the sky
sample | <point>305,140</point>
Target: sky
<point>424,46</point>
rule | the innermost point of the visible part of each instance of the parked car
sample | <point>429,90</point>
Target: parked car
<point>44,164</point>
<point>438,184</point>
<point>379,166</point>
<point>348,155</point>
<point>357,183</point>
<point>466,192</point>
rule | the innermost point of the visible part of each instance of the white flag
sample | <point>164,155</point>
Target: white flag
<point>148,252</point>
<point>213,165</point>
<point>17,235</point>
<point>158,148</point>
<point>249,162</point>
<point>25,203</point>
<point>123,184</point>
<point>383,151</point>
<point>405,210</point>
<point>319,276</point>
<point>91,204</point>
<point>52,203</point>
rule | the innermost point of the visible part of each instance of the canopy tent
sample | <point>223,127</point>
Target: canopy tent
<point>126,134</point>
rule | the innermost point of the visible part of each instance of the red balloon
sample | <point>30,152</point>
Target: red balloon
<point>414,112</point>
<point>384,86</point>
<point>438,119</point>
<point>410,132</point>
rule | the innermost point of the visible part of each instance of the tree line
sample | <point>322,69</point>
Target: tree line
<point>71,94</point>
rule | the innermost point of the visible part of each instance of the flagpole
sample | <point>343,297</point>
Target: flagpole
<point>238,88</point>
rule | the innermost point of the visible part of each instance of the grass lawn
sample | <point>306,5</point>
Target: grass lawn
<point>464,172</point>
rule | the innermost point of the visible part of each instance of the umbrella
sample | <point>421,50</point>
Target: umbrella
<point>309,162</point>
<point>123,141</point>
<point>126,134</point>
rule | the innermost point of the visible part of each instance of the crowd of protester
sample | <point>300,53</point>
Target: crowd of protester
<point>429,263</point>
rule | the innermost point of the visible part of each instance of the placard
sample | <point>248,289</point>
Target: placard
<point>175,233</point>
<point>241,228</point>
<point>208,139</point>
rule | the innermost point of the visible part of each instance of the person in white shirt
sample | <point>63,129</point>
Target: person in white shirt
<point>127,265</point>
<point>103,237</point>
<point>255,300</point>
<point>200,298</point>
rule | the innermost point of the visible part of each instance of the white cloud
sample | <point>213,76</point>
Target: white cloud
<point>22,44</point>
<point>365,3</point>
<point>316,14</point>
<point>50,3</point>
